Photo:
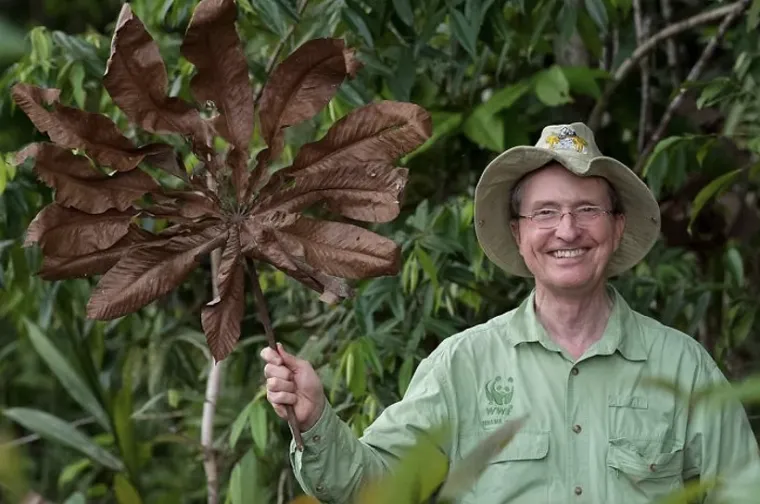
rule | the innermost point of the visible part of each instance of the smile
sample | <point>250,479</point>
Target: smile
<point>567,253</point>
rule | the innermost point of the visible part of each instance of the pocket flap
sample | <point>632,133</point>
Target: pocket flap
<point>526,445</point>
<point>628,460</point>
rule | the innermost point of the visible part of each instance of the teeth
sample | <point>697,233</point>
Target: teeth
<point>568,253</point>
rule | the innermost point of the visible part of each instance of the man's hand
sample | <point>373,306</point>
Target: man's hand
<point>293,381</point>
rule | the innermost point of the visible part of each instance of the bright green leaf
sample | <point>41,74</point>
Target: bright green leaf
<point>735,265</point>
<point>464,32</point>
<point>55,429</point>
<point>124,428</point>
<point>71,471</point>
<point>246,485</point>
<point>582,80</point>
<point>70,380</point>
<point>76,498</point>
<point>239,424</point>
<point>125,491</point>
<point>485,129</point>
<point>76,78</point>
<point>552,88</point>
<point>358,25</point>
<point>753,16</point>
<point>405,374</point>
<point>711,190</point>
<point>428,266</point>
<point>257,419</point>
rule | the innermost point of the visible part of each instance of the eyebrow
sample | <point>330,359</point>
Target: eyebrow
<point>550,203</point>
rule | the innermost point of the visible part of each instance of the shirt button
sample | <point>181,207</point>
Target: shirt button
<point>578,490</point>
<point>316,439</point>
<point>574,371</point>
<point>320,488</point>
<point>653,467</point>
<point>576,428</point>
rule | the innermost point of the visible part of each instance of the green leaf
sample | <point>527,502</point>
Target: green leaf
<point>272,15</point>
<point>125,491</point>
<point>567,19</point>
<point>598,12</point>
<point>257,418</point>
<point>403,79</point>
<point>76,77</point>
<point>711,190</point>
<point>660,150</point>
<point>239,424</point>
<point>552,88</point>
<point>71,471</point>
<point>743,327</point>
<point>11,42</point>
<point>464,32</point>
<point>356,371</point>
<point>405,374</point>
<point>443,124</point>
<point>70,380</point>
<point>485,129</point>
<point>753,16</point>
<point>358,25</point>
<point>76,498</point>
<point>461,479</point>
<point>583,80</point>
<point>428,266</point>
<point>735,265</point>
<point>404,11</point>
<point>124,428</point>
<point>55,429</point>
<point>246,485</point>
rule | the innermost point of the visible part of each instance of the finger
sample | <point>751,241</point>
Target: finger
<point>280,385</point>
<point>269,355</point>
<point>281,411</point>
<point>289,360</point>
<point>281,397</point>
<point>272,371</point>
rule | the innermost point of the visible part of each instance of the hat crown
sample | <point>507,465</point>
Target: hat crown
<point>575,139</point>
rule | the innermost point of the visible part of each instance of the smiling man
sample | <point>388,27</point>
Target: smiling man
<point>573,356</point>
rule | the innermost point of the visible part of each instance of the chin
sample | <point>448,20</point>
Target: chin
<point>570,280</point>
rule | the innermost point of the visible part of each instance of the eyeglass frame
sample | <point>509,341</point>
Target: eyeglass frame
<point>573,213</point>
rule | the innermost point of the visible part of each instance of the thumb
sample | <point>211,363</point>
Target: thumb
<point>289,360</point>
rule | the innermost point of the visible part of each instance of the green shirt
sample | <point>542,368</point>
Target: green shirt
<point>595,432</point>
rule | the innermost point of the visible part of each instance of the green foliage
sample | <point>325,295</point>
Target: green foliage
<point>110,412</point>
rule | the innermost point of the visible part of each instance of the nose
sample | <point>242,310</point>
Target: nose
<point>567,230</point>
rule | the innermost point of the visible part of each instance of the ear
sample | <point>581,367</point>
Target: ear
<point>514,227</point>
<point>619,229</point>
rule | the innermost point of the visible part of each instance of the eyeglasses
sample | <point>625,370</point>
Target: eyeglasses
<point>547,218</point>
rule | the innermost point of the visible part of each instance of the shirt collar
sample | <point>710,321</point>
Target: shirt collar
<point>622,333</point>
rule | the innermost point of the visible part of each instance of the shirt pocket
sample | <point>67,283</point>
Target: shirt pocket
<point>518,473</point>
<point>643,475</point>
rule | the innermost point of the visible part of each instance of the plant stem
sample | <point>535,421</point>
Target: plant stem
<point>209,404</point>
<point>261,306</point>
<point>694,74</point>
<point>646,47</point>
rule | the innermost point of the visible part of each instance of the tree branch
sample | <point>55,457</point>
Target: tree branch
<point>641,33</point>
<point>261,306</point>
<point>642,50</point>
<point>670,45</point>
<point>209,405</point>
<point>694,74</point>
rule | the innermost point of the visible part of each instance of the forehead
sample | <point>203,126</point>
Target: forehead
<point>556,184</point>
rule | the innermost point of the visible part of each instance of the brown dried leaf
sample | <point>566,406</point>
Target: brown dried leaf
<point>67,232</point>
<point>190,204</point>
<point>146,274</point>
<point>137,81</point>
<point>72,128</point>
<point>376,133</point>
<point>302,85</point>
<point>212,44</point>
<point>98,262</point>
<point>80,186</point>
<point>222,316</point>
<point>339,249</point>
<point>369,192</point>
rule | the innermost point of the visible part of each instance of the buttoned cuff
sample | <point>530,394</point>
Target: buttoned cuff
<point>307,464</point>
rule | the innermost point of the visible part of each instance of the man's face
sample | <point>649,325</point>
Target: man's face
<point>570,256</point>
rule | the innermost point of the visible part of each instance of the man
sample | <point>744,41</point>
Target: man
<point>573,356</point>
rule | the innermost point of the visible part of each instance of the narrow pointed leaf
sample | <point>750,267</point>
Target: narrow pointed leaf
<point>82,187</point>
<point>213,46</point>
<point>469,470</point>
<point>376,133</point>
<point>76,129</point>
<point>72,383</point>
<point>149,273</point>
<point>66,232</point>
<point>98,262</point>
<point>302,85</point>
<point>137,81</point>
<point>55,429</point>
<point>340,249</point>
<point>369,192</point>
<point>222,316</point>
<point>190,204</point>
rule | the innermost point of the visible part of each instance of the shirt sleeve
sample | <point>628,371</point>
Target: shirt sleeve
<point>334,463</point>
<point>720,444</point>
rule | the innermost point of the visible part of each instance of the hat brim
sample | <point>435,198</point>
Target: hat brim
<point>492,213</point>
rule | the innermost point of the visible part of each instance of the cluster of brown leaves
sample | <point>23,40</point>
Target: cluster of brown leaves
<point>102,191</point>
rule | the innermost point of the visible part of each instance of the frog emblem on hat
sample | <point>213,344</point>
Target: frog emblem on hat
<point>567,139</point>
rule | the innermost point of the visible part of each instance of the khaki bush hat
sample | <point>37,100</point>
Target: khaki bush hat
<point>573,146</point>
